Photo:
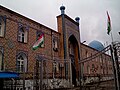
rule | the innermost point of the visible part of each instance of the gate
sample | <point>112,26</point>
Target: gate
<point>100,71</point>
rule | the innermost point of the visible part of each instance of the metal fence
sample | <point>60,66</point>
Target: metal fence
<point>97,72</point>
<point>101,71</point>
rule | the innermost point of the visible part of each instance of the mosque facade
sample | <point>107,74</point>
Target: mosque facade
<point>32,51</point>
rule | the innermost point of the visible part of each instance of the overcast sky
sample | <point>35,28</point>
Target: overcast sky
<point>92,13</point>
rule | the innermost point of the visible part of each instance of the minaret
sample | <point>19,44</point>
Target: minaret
<point>64,42</point>
<point>62,8</point>
<point>77,19</point>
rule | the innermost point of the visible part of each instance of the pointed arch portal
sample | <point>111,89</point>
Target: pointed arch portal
<point>74,56</point>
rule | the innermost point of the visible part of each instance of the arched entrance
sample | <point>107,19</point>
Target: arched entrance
<point>74,56</point>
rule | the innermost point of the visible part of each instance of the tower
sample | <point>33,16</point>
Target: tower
<point>69,44</point>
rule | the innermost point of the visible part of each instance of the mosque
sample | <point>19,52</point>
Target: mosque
<point>32,54</point>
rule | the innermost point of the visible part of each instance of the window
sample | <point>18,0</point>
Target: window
<point>1,58</point>
<point>82,68</point>
<point>55,45</point>
<point>21,62</point>
<point>88,69</point>
<point>87,54</point>
<point>56,67</point>
<point>22,35</point>
<point>93,66</point>
<point>0,61</point>
<point>2,26</point>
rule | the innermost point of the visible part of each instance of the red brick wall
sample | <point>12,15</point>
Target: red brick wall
<point>12,21</point>
<point>102,63</point>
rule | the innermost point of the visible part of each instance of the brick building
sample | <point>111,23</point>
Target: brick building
<point>95,65</point>
<point>58,56</point>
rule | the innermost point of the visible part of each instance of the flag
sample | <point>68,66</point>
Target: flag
<point>108,24</point>
<point>39,42</point>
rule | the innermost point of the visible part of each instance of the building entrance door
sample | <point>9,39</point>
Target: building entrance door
<point>74,56</point>
<point>73,70</point>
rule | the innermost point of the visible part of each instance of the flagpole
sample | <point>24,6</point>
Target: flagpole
<point>109,31</point>
<point>112,37</point>
<point>115,64</point>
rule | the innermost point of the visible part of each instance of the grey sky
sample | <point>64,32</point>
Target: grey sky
<point>92,13</point>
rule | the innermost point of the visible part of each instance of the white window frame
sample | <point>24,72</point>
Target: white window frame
<point>22,63</point>
<point>2,27</point>
<point>22,35</point>
<point>55,45</point>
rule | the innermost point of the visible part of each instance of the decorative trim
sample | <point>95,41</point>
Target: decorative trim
<point>26,28</point>
<point>20,25</point>
<point>39,57</point>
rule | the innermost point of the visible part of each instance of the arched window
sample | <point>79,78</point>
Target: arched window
<point>55,44</point>
<point>1,58</point>
<point>21,62</point>
<point>2,27</point>
<point>22,35</point>
<point>88,69</point>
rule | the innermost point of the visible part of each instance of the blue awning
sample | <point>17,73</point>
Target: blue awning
<point>9,75</point>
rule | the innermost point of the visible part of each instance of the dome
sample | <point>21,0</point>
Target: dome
<point>96,45</point>
<point>62,8</point>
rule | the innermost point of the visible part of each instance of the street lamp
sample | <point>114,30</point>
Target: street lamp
<point>83,42</point>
